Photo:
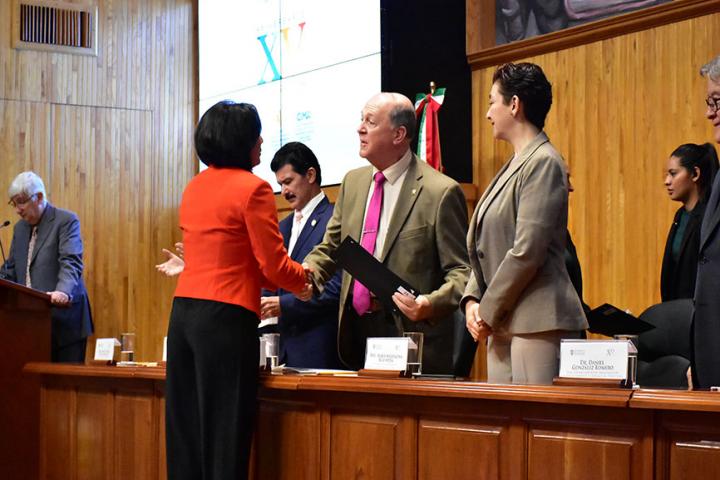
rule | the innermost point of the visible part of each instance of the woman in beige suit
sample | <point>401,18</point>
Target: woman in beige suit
<point>519,295</point>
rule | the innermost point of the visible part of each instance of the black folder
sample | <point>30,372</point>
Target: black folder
<point>609,320</point>
<point>380,280</point>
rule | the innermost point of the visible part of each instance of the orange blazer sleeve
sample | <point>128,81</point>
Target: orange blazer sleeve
<point>267,243</point>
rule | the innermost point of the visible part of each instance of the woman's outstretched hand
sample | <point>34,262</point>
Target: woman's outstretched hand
<point>173,266</point>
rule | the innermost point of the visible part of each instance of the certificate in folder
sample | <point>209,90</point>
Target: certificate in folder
<point>380,280</point>
<point>610,320</point>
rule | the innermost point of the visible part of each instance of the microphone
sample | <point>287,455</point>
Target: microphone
<point>2,250</point>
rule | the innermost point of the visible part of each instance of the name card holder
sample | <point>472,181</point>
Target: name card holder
<point>593,362</point>
<point>385,356</point>
<point>587,382</point>
<point>163,362</point>
<point>107,351</point>
<point>366,372</point>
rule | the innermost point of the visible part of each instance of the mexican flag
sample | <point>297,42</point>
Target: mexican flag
<point>426,111</point>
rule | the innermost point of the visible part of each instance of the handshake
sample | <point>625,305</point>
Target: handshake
<point>175,264</point>
<point>307,292</point>
<point>270,305</point>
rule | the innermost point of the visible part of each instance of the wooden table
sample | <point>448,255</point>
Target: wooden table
<point>107,422</point>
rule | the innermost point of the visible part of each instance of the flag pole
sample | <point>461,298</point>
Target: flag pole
<point>426,111</point>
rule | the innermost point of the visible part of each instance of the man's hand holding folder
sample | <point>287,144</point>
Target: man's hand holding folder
<point>390,290</point>
<point>383,283</point>
<point>415,308</point>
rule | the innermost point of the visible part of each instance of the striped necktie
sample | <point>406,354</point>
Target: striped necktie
<point>31,247</point>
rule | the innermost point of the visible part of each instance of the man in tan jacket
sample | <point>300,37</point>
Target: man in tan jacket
<point>419,234</point>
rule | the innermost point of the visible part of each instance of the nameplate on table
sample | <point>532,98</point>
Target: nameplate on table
<point>386,353</point>
<point>105,349</point>
<point>606,359</point>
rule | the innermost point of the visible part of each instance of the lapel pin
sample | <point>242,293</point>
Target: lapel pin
<point>413,191</point>
<point>313,223</point>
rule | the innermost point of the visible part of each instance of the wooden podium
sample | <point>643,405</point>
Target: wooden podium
<point>25,337</point>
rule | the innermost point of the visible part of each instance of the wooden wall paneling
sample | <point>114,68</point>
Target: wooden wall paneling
<point>22,149</point>
<point>479,25</point>
<point>111,137</point>
<point>175,56</point>
<point>620,107</point>
<point>688,446</point>
<point>95,447</point>
<point>101,427</point>
<point>476,448</point>
<point>368,445</point>
<point>108,183</point>
<point>583,455</point>
<point>378,428</point>
<point>134,428</point>
<point>591,443</point>
<point>290,433</point>
<point>325,448</point>
<point>58,437</point>
<point>161,455</point>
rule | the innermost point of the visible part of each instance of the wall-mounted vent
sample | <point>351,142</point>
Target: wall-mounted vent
<point>55,26</point>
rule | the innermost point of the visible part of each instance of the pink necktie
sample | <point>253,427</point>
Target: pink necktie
<point>361,295</point>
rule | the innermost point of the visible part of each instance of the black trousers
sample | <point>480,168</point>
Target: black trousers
<point>211,389</point>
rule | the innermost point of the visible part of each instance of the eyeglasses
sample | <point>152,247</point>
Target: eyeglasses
<point>713,103</point>
<point>21,202</point>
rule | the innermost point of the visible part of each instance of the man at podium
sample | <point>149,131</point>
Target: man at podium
<point>46,254</point>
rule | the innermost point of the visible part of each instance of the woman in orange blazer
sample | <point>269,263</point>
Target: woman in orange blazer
<point>232,249</point>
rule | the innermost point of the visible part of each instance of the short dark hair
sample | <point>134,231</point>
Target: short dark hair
<point>227,133</point>
<point>528,82</point>
<point>704,158</point>
<point>299,156</point>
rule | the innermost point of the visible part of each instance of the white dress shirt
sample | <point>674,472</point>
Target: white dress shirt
<point>305,213</point>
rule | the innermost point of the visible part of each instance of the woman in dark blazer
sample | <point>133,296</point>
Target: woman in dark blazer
<point>691,169</point>
<point>519,294</point>
<point>232,248</point>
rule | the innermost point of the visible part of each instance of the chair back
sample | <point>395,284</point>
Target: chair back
<point>664,352</point>
<point>671,335</point>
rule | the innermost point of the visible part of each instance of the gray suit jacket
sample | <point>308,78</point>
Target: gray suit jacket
<point>424,245</point>
<point>56,264</point>
<point>516,243</point>
<point>706,322</point>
